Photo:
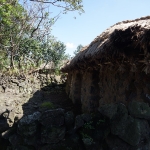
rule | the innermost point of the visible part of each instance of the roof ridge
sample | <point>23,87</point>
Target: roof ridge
<point>128,21</point>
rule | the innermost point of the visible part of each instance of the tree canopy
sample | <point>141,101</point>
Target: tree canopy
<point>25,32</point>
<point>79,47</point>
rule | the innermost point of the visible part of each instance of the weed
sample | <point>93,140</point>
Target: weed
<point>14,71</point>
<point>88,125</point>
<point>32,79</point>
<point>100,121</point>
<point>87,139</point>
<point>47,105</point>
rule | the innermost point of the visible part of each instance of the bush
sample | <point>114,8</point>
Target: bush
<point>47,105</point>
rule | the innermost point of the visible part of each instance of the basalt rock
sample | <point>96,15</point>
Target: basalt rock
<point>139,110</point>
<point>51,129</point>
<point>131,130</point>
<point>27,125</point>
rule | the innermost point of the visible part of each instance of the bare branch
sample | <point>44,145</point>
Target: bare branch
<point>37,26</point>
<point>69,7</point>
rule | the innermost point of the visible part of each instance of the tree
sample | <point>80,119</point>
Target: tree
<point>18,23</point>
<point>66,5</point>
<point>25,31</point>
<point>30,52</point>
<point>12,19</point>
<point>53,51</point>
<point>79,47</point>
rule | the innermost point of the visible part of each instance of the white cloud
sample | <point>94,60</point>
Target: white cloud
<point>70,45</point>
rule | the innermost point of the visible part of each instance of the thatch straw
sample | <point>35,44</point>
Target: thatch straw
<point>49,65</point>
<point>127,41</point>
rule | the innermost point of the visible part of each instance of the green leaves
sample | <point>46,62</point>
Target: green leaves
<point>10,12</point>
<point>25,31</point>
<point>54,51</point>
<point>36,52</point>
<point>79,47</point>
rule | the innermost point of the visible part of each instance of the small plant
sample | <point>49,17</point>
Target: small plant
<point>47,105</point>
<point>57,72</point>
<point>88,125</point>
<point>100,121</point>
<point>87,139</point>
<point>32,79</point>
<point>14,71</point>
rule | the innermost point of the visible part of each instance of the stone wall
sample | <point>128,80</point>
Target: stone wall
<point>115,126</point>
<point>19,84</point>
<point>26,84</point>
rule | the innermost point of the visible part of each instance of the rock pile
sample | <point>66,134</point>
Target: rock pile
<point>112,127</point>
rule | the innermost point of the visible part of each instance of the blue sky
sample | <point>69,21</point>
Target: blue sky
<point>99,15</point>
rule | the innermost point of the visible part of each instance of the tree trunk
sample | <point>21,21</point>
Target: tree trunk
<point>12,60</point>
<point>12,54</point>
<point>19,64</point>
<point>37,62</point>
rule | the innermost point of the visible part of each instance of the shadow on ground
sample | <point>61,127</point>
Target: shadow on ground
<point>51,94</point>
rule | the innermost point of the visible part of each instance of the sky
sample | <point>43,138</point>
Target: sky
<point>99,15</point>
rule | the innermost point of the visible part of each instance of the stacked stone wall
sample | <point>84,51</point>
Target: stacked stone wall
<point>115,126</point>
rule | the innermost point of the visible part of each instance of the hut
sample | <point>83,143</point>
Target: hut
<point>114,68</point>
<point>47,68</point>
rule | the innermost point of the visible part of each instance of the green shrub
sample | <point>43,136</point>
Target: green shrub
<point>88,125</point>
<point>57,71</point>
<point>88,140</point>
<point>14,71</point>
<point>47,105</point>
<point>100,121</point>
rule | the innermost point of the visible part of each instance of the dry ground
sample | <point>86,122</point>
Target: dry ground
<point>32,102</point>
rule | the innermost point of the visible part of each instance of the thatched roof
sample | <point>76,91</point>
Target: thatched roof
<point>49,65</point>
<point>127,41</point>
<point>44,66</point>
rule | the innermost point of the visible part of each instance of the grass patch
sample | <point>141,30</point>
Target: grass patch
<point>48,105</point>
